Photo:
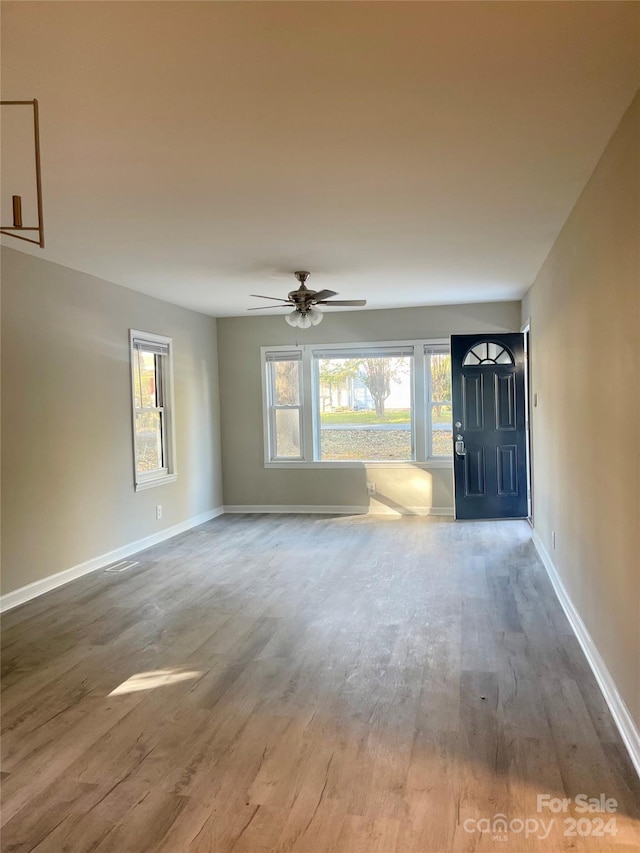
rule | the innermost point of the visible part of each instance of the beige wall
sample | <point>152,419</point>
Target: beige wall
<point>585,330</point>
<point>248,482</point>
<point>67,467</point>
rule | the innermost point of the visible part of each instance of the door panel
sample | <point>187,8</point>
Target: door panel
<point>507,470</point>
<point>472,408</point>
<point>474,485</point>
<point>505,398</point>
<point>489,425</point>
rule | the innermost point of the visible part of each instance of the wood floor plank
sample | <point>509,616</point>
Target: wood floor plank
<point>43,814</point>
<point>90,822</point>
<point>50,761</point>
<point>305,684</point>
<point>145,825</point>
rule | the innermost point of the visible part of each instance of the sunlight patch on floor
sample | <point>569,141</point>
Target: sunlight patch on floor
<point>154,678</point>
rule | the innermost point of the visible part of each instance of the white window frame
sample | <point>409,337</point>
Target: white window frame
<point>271,356</point>
<point>429,350</point>
<point>309,438</point>
<point>168,473</point>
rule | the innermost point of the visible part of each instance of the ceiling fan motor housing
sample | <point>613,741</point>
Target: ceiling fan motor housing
<point>302,297</point>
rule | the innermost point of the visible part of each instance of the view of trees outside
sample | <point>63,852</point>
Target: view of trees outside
<point>441,427</point>
<point>287,433</point>
<point>440,377</point>
<point>378,374</point>
<point>286,383</point>
<point>337,379</point>
<point>148,441</point>
<point>365,408</point>
<point>148,420</point>
<point>286,392</point>
<point>343,376</point>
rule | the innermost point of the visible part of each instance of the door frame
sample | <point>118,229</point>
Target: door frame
<point>525,330</point>
<point>528,404</point>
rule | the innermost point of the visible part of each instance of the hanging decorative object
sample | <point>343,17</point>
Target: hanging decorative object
<point>18,228</point>
<point>305,303</point>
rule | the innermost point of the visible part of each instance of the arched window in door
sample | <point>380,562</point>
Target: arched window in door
<point>487,353</point>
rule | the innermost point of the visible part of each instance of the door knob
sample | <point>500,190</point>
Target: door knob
<point>457,424</point>
<point>460,448</point>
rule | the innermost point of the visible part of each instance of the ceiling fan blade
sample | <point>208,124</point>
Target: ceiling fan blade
<point>324,294</point>
<point>266,307</point>
<point>274,298</point>
<point>343,302</point>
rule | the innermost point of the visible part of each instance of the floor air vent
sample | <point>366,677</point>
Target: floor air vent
<point>122,566</point>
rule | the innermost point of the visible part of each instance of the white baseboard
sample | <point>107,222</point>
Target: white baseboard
<point>32,590</point>
<point>624,721</point>
<point>339,509</point>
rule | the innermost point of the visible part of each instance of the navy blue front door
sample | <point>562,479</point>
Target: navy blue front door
<point>489,433</point>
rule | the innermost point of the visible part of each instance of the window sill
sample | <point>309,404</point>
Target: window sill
<point>156,481</point>
<point>445,462</point>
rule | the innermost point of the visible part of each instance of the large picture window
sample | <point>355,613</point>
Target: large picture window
<point>151,372</point>
<point>364,405</point>
<point>356,403</point>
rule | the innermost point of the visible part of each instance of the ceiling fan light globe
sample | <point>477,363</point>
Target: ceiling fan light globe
<point>292,319</point>
<point>315,315</point>
<point>304,321</point>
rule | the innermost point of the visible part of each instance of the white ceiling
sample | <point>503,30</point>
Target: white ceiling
<point>408,153</point>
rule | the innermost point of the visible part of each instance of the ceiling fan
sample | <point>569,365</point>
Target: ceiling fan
<point>305,303</point>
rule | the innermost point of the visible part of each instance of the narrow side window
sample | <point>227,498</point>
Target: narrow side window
<point>153,431</point>
<point>284,405</point>
<point>439,428</point>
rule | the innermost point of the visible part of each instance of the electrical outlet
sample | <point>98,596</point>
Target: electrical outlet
<point>158,511</point>
<point>371,488</point>
<point>553,539</point>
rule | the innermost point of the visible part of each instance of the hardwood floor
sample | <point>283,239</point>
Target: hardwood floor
<point>307,684</point>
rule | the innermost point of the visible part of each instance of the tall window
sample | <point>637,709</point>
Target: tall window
<point>284,385</point>
<point>339,405</point>
<point>151,372</point>
<point>438,362</point>
<point>364,404</point>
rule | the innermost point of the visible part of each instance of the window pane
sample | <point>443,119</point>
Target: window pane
<point>137,395</point>
<point>286,383</point>
<point>440,376</point>
<point>145,379</point>
<point>148,441</point>
<point>441,431</point>
<point>287,433</point>
<point>487,353</point>
<point>366,443</point>
<point>365,408</point>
